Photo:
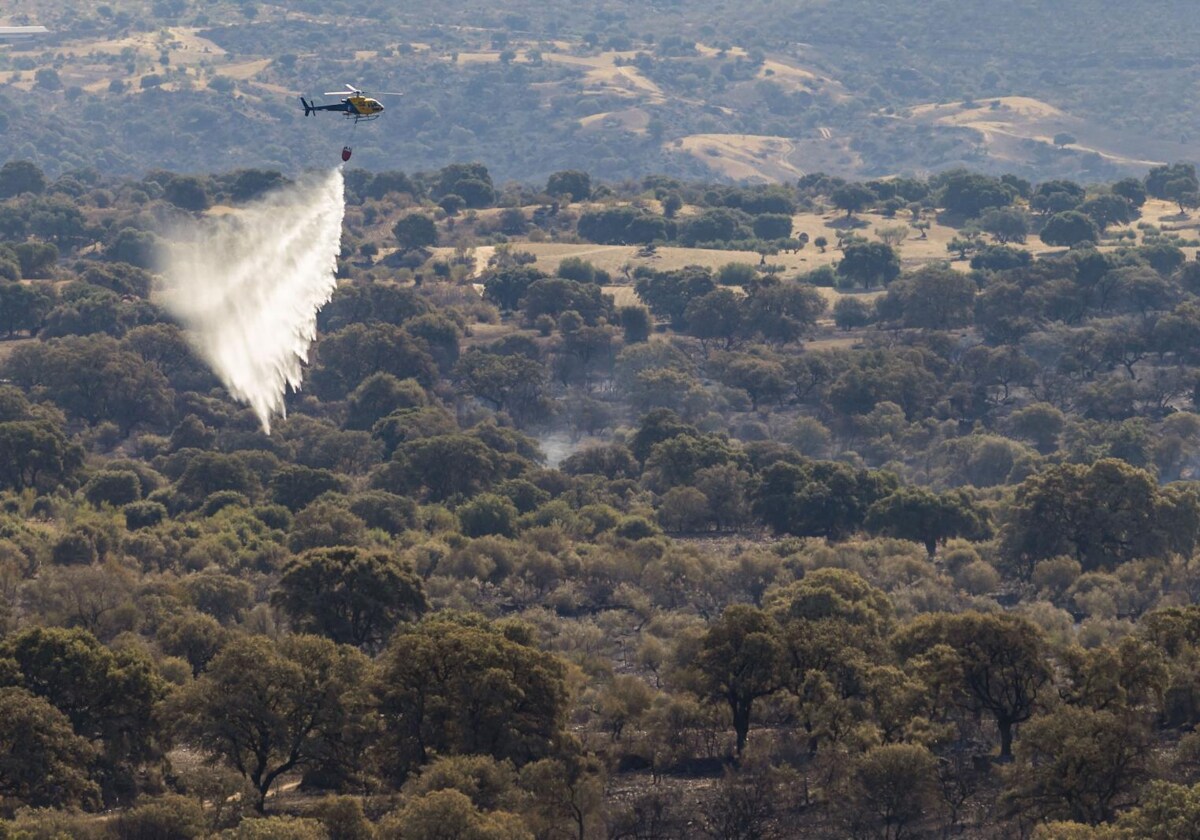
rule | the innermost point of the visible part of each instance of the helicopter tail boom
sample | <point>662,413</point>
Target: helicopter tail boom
<point>309,109</point>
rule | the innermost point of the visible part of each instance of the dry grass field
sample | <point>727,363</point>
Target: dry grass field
<point>742,157</point>
<point>620,261</point>
<point>1006,124</point>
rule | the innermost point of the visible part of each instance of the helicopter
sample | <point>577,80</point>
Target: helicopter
<point>354,106</point>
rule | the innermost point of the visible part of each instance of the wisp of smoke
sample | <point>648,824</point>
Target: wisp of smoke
<point>247,287</point>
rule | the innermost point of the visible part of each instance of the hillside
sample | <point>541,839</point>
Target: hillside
<point>620,93</point>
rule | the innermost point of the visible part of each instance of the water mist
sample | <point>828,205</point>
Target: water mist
<point>247,287</point>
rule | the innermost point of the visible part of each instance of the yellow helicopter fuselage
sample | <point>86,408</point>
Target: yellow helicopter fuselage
<point>364,106</point>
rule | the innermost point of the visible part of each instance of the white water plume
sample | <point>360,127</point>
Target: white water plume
<point>247,287</point>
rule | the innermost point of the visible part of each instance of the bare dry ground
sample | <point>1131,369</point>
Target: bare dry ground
<point>1007,123</point>
<point>742,157</point>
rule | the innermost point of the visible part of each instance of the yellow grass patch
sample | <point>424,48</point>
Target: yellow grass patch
<point>743,157</point>
<point>713,52</point>
<point>786,74</point>
<point>1006,122</point>
<point>631,119</point>
<point>244,69</point>
<point>603,74</point>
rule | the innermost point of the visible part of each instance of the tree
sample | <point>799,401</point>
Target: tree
<point>852,198</point>
<point>44,762</point>
<point>851,312</point>
<point>507,286</point>
<point>892,235</point>
<point>295,487</point>
<point>741,659</point>
<point>869,264</point>
<point>819,498</point>
<point>36,258</point>
<point>1069,229</point>
<point>194,637</point>
<point>415,231</point>
<point>1053,197</point>
<point>1039,423</point>
<point>718,225</point>
<point>187,192</point>
<point>363,303</point>
<point>447,465</point>
<point>914,513</point>
<point>278,828</point>
<point>23,308</point>
<point>717,316</point>
<point>935,297</point>
<point>249,184</point>
<point>683,509</point>
<point>96,379</point>
<point>669,293</point>
<point>515,383</point>
<point>1107,210</point>
<point>773,226</point>
<point>623,226</point>
<point>168,816</point>
<point>349,356</point>
<point>999,665</point>
<point>1006,224</point>
<point>209,472</point>
<point>962,245</point>
<point>113,487</point>
<point>352,596</point>
<point>782,312</point>
<point>1132,190</point>
<point>553,296</point>
<point>1170,183</point>
<point>20,176</point>
<point>379,395</point>
<point>268,708</point>
<point>444,814</point>
<point>1102,514</point>
<point>33,452</point>
<point>740,806</point>
<point>471,181</point>
<point>488,514</point>
<point>1080,764</point>
<point>564,795</point>
<point>467,688</point>
<point>1165,811</point>
<point>1064,138</point>
<point>576,186</point>
<point>108,697</point>
<point>889,790</point>
<point>676,460</point>
<point>968,195</point>
<point>636,323</point>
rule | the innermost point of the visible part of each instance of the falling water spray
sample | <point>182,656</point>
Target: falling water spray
<point>247,287</point>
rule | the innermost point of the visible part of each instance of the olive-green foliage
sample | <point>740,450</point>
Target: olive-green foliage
<point>350,595</point>
<point>267,708</point>
<point>107,696</point>
<point>45,761</point>
<point>169,817</point>
<point>277,828</point>
<point>431,702</point>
